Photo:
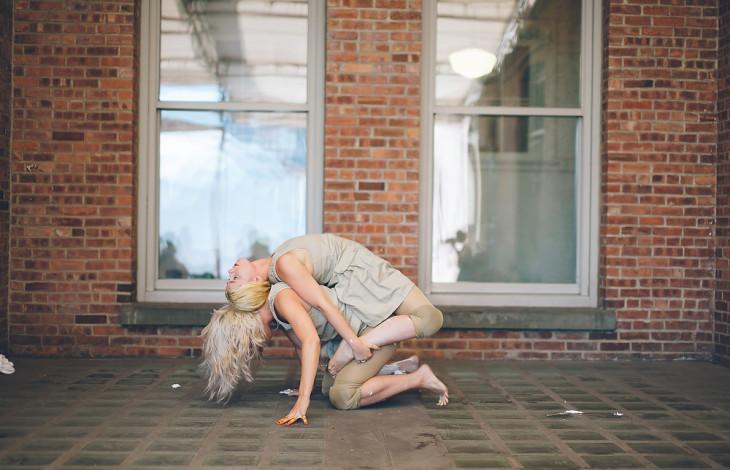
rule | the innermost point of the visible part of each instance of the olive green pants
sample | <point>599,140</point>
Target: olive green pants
<point>344,390</point>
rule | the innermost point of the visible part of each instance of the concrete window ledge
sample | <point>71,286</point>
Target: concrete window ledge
<point>530,318</point>
<point>168,314</point>
<point>473,318</point>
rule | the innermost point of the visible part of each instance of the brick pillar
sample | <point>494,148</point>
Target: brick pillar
<point>722,292</point>
<point>72,173</point>
<point>6,41</point>
<point>659,151</point>
<point>372,123</point>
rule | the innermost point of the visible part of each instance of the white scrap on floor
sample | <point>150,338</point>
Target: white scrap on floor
<point>175,385</point>
<point>6,367</point>
<point>290,392</point>
<point>565,413</point>
<point>616,414</point>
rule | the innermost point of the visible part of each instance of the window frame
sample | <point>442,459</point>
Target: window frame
<point>583,293</point>
<point>149,287</point>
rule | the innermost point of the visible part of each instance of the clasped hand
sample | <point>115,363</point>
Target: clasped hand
<point>361,349</point>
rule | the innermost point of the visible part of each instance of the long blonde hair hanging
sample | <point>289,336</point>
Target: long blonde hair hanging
<point>232,343</point>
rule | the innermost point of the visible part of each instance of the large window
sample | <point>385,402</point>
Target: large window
<point>510,154</point>
<point>230,138</point>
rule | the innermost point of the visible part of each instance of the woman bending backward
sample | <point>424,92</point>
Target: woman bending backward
<point>366,283</point>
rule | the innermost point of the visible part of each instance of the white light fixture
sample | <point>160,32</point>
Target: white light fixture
<point>472,62</point>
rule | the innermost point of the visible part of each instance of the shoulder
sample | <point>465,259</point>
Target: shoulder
<point>281,292</point>
<point>287,262</point>
<point>277,289</point>
<point>284,299</point>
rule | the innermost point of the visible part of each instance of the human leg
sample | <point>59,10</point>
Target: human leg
<point>382,387</point>
<point>404,366</point>
<point>426,318</point>
<point>344,394</point>
<point>357,385</point>
<point>415,317</point>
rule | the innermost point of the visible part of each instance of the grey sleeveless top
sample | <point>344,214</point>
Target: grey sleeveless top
<point>325,331</point>
<point>365,283</point>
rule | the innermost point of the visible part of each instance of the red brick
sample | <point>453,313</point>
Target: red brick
<point>664,150</point>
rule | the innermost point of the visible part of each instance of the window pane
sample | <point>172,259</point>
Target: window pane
<point>234,50</point>
<point>504,199</point>
<point>231,185</point>
<point>508,53</point>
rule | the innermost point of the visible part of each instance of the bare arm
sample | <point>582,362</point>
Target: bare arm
<point>294,273</point>
<point>294,341</point>
<point>323,358</point>
<point>291,308</point>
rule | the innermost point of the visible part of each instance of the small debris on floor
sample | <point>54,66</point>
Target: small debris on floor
<point>564,413</point>
<point>6,367</point>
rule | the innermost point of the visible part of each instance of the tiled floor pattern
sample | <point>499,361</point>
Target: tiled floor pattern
<point>124,413</point>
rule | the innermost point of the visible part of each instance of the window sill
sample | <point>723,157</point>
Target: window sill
<point>530,318</point>
<point>477,318</point>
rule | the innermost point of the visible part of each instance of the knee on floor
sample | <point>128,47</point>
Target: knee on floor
<point>344,398</point>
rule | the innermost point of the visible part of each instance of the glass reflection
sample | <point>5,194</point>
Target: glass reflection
<point>233,50</point>
<point>231,185</point>
<point>535,45</point>
<point>504,199</point>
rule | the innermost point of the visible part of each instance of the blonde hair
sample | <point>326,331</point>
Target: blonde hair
<point>232,343</point>
<point>250,296</point>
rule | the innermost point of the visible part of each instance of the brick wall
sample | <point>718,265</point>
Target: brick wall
<point>372,111</point>
<point>6,38</point>
<point>72,246</point>
<point>722,293</point>
<point>658,186</point>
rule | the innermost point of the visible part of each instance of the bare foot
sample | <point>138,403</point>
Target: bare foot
<point>404,366</point>
<point>342,356</point>
<point>430,382</point>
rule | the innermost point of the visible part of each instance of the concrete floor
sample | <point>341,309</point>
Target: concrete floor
<point>69,413</point>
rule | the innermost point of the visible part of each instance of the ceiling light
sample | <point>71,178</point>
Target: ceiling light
<point>472,62</point>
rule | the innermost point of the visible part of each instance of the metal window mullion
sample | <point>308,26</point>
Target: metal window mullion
<point>517,288</point>
<point>143,184</point>
<point>425,213</point>
<point>147,266</point>
<point>594,176</point>
<point>583,166</point>
<point>477,299</point>
<point>231,106</point>
<point>316,20</point>
<point>153,147</point>
<point>508,111</point>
